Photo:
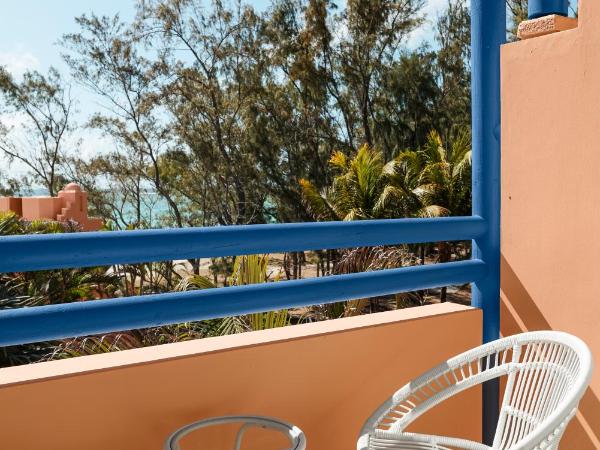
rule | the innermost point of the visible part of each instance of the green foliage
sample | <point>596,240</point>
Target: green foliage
<point>432,181</point>
<point>251,269</point>
<point>27,289</point>
<point>309,110</point>
<point>438,175</point>
<point>10,224</point>
<point>357,192</point>
<point>221,111</point>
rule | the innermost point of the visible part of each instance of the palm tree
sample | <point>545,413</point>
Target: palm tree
<point>433,181</point>
<point>358,190</point>
<point>250,269</point>
<point>438,177</point>
<point>362,189</point>
<point>444,176</point>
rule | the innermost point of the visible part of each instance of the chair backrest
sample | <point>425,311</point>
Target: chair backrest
<point>548,373</point>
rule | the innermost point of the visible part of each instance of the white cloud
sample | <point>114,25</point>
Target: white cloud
<point>18,61</point>
<point>92,143</point>
<point>434,6</point>
<point>13,120</point>
<point>424,33</point>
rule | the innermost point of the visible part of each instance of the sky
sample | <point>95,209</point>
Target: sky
<point>30,31</point>
<point>29,36</point>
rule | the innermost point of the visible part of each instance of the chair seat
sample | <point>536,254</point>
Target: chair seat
<point>384,440</point>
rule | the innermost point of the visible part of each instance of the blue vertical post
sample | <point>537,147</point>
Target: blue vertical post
<point>540,8</point>
<point>488,33</point>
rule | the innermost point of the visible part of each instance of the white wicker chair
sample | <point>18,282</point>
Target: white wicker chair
<point>293,433</point>
<point>547,374</point>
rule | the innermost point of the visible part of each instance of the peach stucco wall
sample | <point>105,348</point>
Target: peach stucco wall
<point>325,377</point>
<point>551,194</point>
<point>71,204</point>
<point>34,208</point>
<point>11,204</point>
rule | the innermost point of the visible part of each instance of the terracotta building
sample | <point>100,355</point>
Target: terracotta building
<point>71,204</point>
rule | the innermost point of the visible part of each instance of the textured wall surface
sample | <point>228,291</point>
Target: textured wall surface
<point>325,377</point>
<point>551,194</point>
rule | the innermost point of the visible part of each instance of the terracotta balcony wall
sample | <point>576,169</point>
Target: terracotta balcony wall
<point>325,377</point>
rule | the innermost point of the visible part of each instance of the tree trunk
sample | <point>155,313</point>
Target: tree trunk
<point>445,255</point>
<point>286,266</point>
<point>295,265</point>
<point>365,123</point>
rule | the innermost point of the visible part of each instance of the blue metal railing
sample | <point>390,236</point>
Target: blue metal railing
<point>488,33</point>
<point>55,251</point>
<point>102,316</point>
<point>40,252</point>
<point>58,251</point>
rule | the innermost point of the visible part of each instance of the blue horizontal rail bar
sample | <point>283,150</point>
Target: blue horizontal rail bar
<point>25,325</point>
<point>58,251</point>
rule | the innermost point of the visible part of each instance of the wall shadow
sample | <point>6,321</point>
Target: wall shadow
<point>520,313</point>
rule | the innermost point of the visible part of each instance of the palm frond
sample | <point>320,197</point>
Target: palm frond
<point>232,325</point>
<point>10,224</point>
<point>462,165</point>
<point>390,194</point>
<point>433,211</point>
<point>339,161</point>
<point>317,204</point>
<point>92,345</point>
<point>194,282</point>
